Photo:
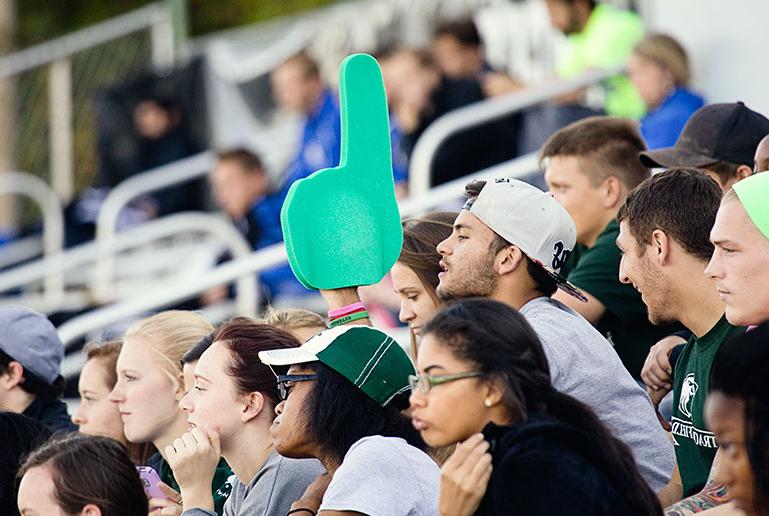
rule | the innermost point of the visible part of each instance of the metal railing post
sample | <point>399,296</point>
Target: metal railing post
<point>162,40</point>
<point>61,127</point>
<point>53,222</point>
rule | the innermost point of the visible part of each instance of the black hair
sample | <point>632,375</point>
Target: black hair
<point>543,282</point>
<point>250,161</point>
<point>194,353</point>
<point>32,383</point>
<point>340,414</point>
<point>739,371</point>
<point>682,202</point>
<point>590,3</point>
<point>463,31</point>
<point>499,342</point>
<point>19,436</point>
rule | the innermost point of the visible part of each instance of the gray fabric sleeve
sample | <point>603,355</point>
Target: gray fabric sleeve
<point>198,512</point>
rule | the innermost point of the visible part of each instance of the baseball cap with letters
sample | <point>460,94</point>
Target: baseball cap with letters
<point>532,220</point>
<point>29,338</point>
<point>369,358</point>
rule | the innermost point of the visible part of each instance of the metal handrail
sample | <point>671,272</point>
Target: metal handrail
<point>22,183</point>
<point>482,112</point>
<point>194,222</point>
<point>270,256</point>
<point>447,192</point>
<point>21,250</point>
<point>64,46</point>
<point>169,294</point>
<point>152,180</point>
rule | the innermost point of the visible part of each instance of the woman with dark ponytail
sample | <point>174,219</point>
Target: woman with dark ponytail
<point>525,448</point>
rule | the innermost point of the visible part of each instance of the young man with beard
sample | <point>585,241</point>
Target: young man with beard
<point>664,228</point>
<point>509,243</point>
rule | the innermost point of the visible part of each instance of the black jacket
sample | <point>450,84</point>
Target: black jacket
<point>52,413</point>
<point>540,468</point>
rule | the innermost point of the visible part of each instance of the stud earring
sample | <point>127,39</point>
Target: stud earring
<point>487,403</point>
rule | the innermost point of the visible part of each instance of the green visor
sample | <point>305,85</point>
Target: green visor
<point>753,193</point>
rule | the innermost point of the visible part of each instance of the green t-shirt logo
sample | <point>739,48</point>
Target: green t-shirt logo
<point>688,390</point>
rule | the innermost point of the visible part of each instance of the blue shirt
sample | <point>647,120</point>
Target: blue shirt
<point>321,139</point>
<point>399,158</point>
<point>265,215</point>
<point>318,149</point>
<point>661,127</point>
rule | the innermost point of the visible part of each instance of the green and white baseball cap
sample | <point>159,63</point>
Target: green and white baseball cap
<point>369,358</point>
<point>753,193</point>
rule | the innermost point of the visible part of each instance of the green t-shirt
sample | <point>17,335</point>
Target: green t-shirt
<point>626,321</point>
<point>695,446</point>
<point>606,42</point>
<point>221,485</point>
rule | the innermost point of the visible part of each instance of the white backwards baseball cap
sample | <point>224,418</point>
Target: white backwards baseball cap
<point>532,220</point>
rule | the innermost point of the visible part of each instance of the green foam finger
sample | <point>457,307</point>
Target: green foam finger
<point>341,225</point>
<point>365,121</point>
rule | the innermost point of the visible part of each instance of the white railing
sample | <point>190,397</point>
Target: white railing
<point>20,250</point>
<point>274,255</point>
<point>64,46</point>
<point>57,56</point>
<point>186,169</point>
<point>21,183</point>
<point>218,227</point>
<point>480,113</point>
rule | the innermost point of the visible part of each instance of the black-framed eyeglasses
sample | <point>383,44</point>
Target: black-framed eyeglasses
<point>424,382</point>
<point>283,379</point>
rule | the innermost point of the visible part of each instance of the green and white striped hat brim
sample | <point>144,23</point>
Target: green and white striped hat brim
<point>369,358</point>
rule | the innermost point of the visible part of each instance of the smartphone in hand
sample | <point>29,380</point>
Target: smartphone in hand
<point>150,480</point>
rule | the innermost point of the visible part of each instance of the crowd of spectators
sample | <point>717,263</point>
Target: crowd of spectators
<point>599,348</point>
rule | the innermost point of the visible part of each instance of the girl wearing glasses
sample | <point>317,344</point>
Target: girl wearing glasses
<point>525,448</point>
<point>229,413</point>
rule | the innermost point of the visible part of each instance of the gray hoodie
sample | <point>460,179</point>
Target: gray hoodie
<point>279,483</point>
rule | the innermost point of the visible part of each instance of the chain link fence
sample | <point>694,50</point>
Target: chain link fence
<point>92,70</point>
<point>48,99</point>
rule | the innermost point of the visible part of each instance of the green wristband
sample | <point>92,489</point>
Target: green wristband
<point>357,316</point>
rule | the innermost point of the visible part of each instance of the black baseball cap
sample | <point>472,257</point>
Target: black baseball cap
<point>717,132</point>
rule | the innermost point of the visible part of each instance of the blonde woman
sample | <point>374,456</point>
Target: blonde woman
<point>659,70</point>
<point>150,386</point>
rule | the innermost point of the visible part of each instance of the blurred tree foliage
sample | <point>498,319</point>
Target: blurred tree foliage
<point>40,20</point>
